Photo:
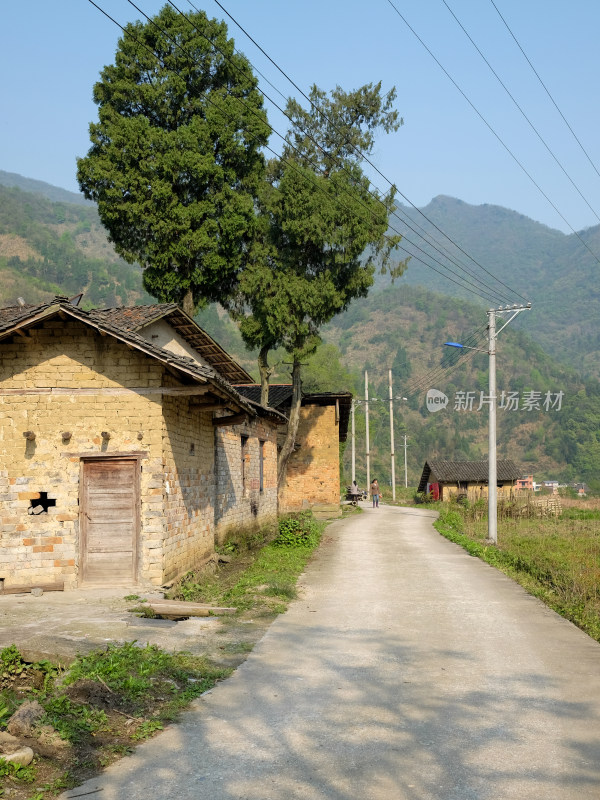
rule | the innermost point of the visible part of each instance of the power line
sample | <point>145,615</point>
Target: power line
<point>529,122</point>
<point>488,292</point>
<point>554,103</point>
<point>465,282</point>
<point>491,129</point>
<point>368,161</point>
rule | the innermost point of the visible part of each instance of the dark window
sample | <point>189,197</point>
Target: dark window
<point>244,440</point>
<point>261,465</point>
<point>41,504</point>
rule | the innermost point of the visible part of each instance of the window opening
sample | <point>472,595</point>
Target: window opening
<point>261,465</point>
<point>41,504</point>
<point>244,440</point>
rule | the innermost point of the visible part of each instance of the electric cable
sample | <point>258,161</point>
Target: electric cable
<point>529,122</point>
<point>364,156</point>
<point>490,294</point>
<point>476,291</point>
<point>491,129</point>
<point>545,88</point>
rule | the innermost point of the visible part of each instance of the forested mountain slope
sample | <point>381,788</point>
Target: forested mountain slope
<point>556,272</point>
<point>404,328</point>
<point>49,247</point>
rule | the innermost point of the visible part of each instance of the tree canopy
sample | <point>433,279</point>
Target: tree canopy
<point>322,228</point>
<point>176,162</point>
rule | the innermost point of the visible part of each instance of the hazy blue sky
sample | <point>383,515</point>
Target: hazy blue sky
<point>51,54</point>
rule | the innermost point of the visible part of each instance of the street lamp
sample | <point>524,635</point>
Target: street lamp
<point>492,462</point>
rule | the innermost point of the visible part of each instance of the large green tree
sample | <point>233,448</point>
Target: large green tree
<point>323,231</point>
<point>176,161</point>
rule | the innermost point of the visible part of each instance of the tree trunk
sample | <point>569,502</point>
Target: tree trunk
<point>265,373</point>
<point>188,303</point>
<point>292,428</point>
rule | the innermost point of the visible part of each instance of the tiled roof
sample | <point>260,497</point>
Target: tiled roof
<point>467,472</point>
<point>280,395</point>
<point>14,317</point>
<point>135,318</point>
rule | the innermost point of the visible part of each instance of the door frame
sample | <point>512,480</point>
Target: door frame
<point>135,458</point>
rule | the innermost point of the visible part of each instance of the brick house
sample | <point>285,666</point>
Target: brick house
<point>313,474</point>
<point>125,450</point>
<point>525,482</point>
<point>448,479</point>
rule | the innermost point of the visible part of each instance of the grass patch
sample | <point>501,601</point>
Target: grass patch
<point>106,702</point>
<point>557,559</point>
<point>111,699</point>
<point>275,566</point>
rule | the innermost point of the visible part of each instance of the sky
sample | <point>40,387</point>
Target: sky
<point>51,55</point>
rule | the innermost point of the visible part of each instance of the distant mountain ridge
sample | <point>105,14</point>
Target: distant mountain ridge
<point>556,272</point>
<point>54,193</point>
<point>55,246</point>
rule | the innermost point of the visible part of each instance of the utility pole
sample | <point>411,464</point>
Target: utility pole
<point>392,438</point>
<point>405,467</point>
<point>492,453</point>
<point>367,431</point>
<point>353,443</point>
<point>492,465</point>
<point>492,456</point>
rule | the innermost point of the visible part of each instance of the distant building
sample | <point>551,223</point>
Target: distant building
<point>447,479</point>
<point>550,486</point>
<point>525,482</point>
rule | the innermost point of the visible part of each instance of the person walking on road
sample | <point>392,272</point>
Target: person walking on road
<point>375,493</point>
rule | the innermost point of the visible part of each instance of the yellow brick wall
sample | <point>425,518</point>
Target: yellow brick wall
<point>179,516</point>
<point>313,474</point>
<point>189,486</point>
<point>45,548</point>
<point>245,506</point>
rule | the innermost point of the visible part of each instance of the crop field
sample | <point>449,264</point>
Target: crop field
<point>554,558</point>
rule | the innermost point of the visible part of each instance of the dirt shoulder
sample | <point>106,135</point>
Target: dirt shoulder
<point>102,676</point>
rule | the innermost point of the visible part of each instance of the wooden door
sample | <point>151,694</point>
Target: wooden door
<point>109,516</point>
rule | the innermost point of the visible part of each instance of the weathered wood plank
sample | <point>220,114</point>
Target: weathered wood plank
<point>183,608</point>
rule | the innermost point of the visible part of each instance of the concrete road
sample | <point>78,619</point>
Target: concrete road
<point>407,670</point>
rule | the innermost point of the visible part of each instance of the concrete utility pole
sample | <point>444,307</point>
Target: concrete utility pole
<point>492,465</point>
<point>353,443</point>
<point>405,467</point>
<point>392,438</point>
<point>492,453</point>
<point>367,431</point>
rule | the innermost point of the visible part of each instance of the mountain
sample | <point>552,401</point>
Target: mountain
<point>403,328</point>
<point>54,193</point>
<point>50,247</point>
<point>556,272</point>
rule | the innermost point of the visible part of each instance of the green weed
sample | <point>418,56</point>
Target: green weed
<point>73,721</point>
<point>298,530</point>
<point>280,589</point>
<point>146,729</point>
<point>16,771</point>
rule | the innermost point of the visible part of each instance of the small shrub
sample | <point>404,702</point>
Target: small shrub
<point>298,530</point>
